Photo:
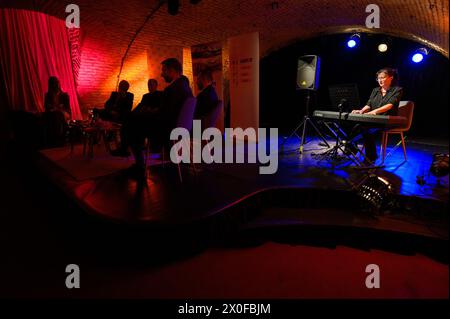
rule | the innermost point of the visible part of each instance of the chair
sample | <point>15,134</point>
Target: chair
<point>405,109</point>
<point>210,120</point>
<point>184,120</point>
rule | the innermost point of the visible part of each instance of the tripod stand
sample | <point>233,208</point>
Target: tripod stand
<point>333,153</point>
<point>304,123</point>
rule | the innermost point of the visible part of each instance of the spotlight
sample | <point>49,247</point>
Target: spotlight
<point>439,166</point>
<point>173,6</point>
<point>375,191</point>
<point>353,41</point>
<point>419,55</point>
<point>382,47</point>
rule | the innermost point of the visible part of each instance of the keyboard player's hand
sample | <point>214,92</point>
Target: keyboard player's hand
<point>356,112</point>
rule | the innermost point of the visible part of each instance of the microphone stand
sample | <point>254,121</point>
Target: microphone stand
<point>335,154</point>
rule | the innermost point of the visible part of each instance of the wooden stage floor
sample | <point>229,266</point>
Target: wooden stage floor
<point>303,191</point>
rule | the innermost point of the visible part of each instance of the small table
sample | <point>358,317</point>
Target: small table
<point>95,131</point>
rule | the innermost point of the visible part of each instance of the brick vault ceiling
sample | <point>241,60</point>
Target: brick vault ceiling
<point>279,22</point>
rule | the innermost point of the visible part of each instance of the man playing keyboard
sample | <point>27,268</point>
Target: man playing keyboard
<point>384,99</point>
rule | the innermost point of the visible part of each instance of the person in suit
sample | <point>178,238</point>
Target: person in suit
<point>151,101</point>
<point>175,94</point>
<point>207,98</point>
<point>118,106</point>
<point>149,107</point>
<point>384,99</point>
<point>157,125</point>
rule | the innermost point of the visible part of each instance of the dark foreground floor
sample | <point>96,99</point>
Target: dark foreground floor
<point>42,231</point>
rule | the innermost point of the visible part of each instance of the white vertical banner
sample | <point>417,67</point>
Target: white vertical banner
<point>244,80</point>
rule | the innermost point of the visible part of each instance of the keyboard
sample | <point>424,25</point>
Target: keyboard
<point>387,121</point>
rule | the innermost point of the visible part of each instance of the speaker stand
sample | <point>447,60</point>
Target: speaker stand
<point>304,124</point>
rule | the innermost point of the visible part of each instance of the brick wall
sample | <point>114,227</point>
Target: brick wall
<point>108,25</point>
<point>100,67</point>
<point>277,21</point>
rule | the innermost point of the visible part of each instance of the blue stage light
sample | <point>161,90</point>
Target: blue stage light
<point>353,41</point>
<point>419,55</point>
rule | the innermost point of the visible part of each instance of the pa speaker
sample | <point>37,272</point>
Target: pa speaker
<point>308,69</point>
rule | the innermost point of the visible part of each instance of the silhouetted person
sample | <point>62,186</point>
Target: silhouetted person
<point>175,94</point>
<point>149,107</point>
<point>56,100</point>
<point>57,112</point>
<point>151,101</point>
<point>185,78</point>
<point>158,125</point>
<point>207,99</point>
<point>119,105</point>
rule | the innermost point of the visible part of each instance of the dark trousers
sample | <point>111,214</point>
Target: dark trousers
<point>141,125</point>
<point>368,135</point>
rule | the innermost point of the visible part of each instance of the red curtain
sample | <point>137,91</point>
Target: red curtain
<point>33,47</point>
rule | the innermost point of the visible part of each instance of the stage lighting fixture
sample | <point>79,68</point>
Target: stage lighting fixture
<point>419,55</point>
<point>173,6</point>
<point>439,166</point>
<point>375,191</point>
<point>353,41</point>
<point>382,47</point>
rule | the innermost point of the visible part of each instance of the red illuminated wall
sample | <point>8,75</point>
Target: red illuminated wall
<point>100,65</point>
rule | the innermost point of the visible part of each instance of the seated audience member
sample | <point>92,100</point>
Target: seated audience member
<point>57,112</point>
<point>207,99</point>
<point>149,107</point>
<point>151,101</point>
<point>185,78</point>
<point>56,100</point>
<point>119,105</point>
<point>159,125</point>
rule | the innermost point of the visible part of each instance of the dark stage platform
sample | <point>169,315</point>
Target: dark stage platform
<point>303,192</point>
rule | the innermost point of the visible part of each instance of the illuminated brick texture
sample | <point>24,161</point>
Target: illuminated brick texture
<point>108,25</point>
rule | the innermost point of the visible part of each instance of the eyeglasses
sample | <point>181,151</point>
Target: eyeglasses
<point>381,78</point>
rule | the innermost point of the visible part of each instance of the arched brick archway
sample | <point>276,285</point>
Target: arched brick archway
<point>278,21</point>
<point>108,25</point>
